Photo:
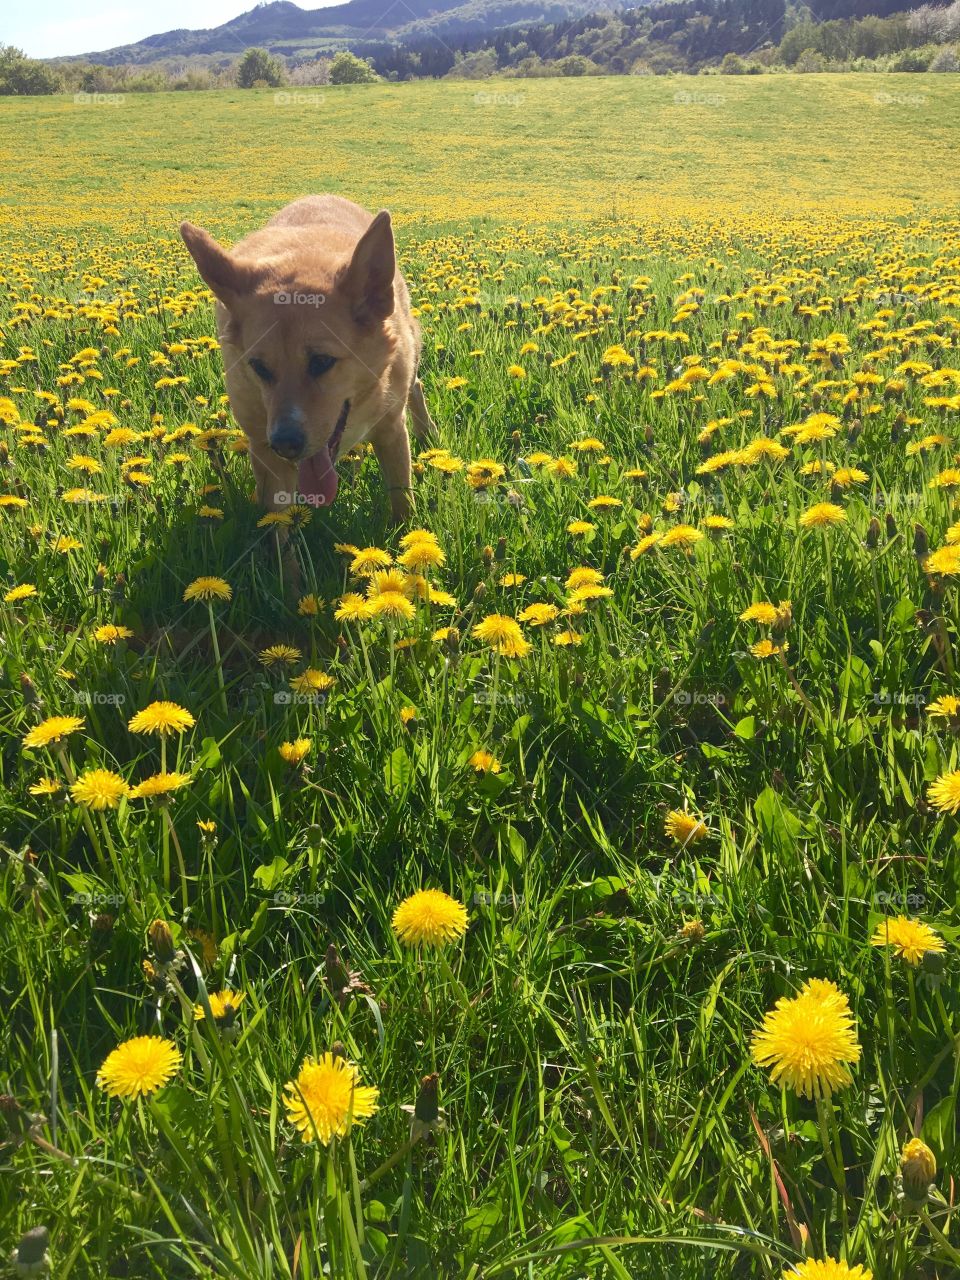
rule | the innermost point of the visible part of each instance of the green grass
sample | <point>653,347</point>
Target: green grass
<point>603,1117</point>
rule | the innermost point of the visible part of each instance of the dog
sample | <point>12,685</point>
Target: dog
<point>319,348</point>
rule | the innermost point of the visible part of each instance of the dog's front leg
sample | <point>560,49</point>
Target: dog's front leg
<point>275,478</point>
<point>391,444</point>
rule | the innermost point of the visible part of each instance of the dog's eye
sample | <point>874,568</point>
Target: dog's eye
<point>318,365</point>
<point>261,370</point>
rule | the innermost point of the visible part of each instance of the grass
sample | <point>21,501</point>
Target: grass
<point>603,1116</point>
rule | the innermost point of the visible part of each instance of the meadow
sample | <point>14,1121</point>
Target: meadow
<point>564,884</point>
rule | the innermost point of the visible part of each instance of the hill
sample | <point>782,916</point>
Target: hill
<point>284,28</point>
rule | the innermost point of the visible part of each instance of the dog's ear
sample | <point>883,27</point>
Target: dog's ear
<point>368,280</point>
<point>225,277</point>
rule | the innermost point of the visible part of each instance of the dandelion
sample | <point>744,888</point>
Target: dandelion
<point>946,707</point>
<point>159,785</point>
<point>422,555</point>
<point>503,635</point>
<point>809,1041</point>
<point>485,473</point>
<point>911,940</point>
<point>139,1066</point>
<point>224,1005</point>
<point>309,606</point>
<point>392,605</point>
<point>46,787</point>
<point>822,515</point>
<point>767,649</point>
<point>280,655</point>
<point>294,753</point>
<point>369,561</point>
<point>484,762</point>
<point>918,1168</point>
<point>685,827</point>
<point>312,681</point>
<point>579,528</point>
<point>162,718</point>
<point>208,589</point>
<point>764,613</point>
<point>430,917</point>
<point>26,591</point>
<point>352,608</point>
<point>110,634</point>
<point>99,789</point>
<point>828,1269</point>
<point>944,793</point>
<point>52,731</point>
<point>538,615</point>
<point>565,639</point>
<point>326,1098</point>
<point>945,561</point>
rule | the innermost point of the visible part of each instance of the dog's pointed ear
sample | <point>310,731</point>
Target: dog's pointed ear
<point>369,276</point>
<point>223,275</point>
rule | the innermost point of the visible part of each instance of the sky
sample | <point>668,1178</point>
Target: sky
<point>49,28</point>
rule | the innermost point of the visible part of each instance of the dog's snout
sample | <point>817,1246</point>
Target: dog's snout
<point>288,439</point>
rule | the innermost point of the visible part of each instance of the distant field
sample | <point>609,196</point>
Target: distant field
<point>504,151</point>
<point>660,688</point>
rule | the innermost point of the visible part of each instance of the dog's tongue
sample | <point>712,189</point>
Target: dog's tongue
<point>317,479</point>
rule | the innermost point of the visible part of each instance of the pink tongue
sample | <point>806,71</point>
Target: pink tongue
<point>317,479</point>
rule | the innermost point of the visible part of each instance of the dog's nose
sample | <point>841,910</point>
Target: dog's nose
<point>288,439</point>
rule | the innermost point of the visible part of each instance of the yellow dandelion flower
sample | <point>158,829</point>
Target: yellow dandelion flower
<point>911,940</point>
<point>110,634</point>
<point>944,793</point>
<point>429,917</point>
<point>503,635</point>
<point>484,762</point>
<point>684,827</point>
<point>294,753</point>
<point>809,1041</point>
<point>52,731</point>
<point>159,785</point>
<point>162,718</point>
<point>822,515</point>
<point>139,1066</point>
<point>99,789</point>
<point>326,1099</point>
<point>208,589</point>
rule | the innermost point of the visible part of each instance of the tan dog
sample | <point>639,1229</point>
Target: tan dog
<point>319,347</point>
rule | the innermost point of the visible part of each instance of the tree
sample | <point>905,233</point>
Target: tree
<point>20,75</point>
<point>258,67</point>
<point>347,68</point>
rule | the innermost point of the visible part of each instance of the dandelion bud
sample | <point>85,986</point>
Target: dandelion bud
<point>338,1049</point>
<point>921,547</point>
<point>890,525</point>
<point>427,1106</point>
<point>419,469</point>
<point>31,1256</point>
<point>500,554</point>
<point>103,923</point>
<point>933,965</point>
<point>648,437</point>
<point>99,579</point>
<point>336,971</point>
<point>693,931</point>
<point>517,439</point>
<point>487,556</point>
<point>5,454</point>
<point>897,427</point>
<point>918,1168</point>
<point>873,534</point>
<point>784,616</point>
<point>119,589</point>
<point>161,940</point>
<point>479,591</point>
<point>29,691</point>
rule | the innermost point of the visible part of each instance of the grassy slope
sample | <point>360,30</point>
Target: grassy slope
<point>594,1068</point>
<point>546,148</point>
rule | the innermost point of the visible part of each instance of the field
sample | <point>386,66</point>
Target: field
<point>666,706</point>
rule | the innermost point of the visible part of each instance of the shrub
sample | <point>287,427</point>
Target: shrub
<point>945,60</point>
<point>810,60</point>
<point>259,69</point>
<point>347,68</point>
